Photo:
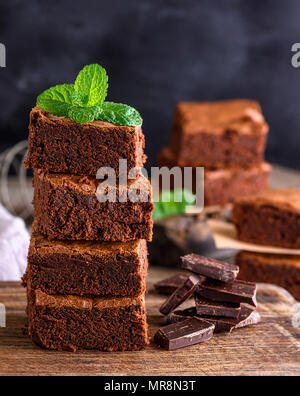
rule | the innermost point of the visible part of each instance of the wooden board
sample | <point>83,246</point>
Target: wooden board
<point>270,348</point>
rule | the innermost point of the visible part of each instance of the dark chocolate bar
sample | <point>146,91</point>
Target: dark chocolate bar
<point>170,285</point>
<point>182,334</point>
<point>181,294</point>
<point>214,308</point>
<point>210,268</point>
<point>235,292</point>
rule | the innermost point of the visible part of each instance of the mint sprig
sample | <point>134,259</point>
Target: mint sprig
<point>173,203</point>
<point>84,101</point>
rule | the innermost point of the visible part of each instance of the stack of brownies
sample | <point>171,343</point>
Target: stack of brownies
<point>87,264</point>
<point>228,138</point>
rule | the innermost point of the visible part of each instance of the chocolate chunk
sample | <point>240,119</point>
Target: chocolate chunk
<point>247,317</point>
<point>182,334</point>
<point>170,285</point>
<point>180,315</point>
<point>236,292</point>
<point>209,267</point>
<point>214,308</point>
<point>181,294</point>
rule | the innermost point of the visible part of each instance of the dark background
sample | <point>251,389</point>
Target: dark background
<point>157,52</point>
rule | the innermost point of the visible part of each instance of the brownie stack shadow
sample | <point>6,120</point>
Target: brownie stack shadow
<point>88,260</point>
<point>228,139</point>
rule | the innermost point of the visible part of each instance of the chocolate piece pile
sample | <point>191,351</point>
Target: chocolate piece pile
<point>219,302</point>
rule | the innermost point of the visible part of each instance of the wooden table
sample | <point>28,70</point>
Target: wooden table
<point>270,348</point>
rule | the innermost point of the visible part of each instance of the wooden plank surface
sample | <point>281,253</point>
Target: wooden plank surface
<point>270,348</point>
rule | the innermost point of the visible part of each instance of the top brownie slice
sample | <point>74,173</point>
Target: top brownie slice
<point>269,218</point>
<point>220,134</point>
<point>60,145</point>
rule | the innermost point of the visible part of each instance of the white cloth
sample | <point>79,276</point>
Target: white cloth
<point>14,244</point>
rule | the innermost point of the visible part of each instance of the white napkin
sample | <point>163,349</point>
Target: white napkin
<point>14,244</point>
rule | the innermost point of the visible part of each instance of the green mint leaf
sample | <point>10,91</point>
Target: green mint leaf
<point>119,114</point>
<point>84,101</point>
<point>83,114</point>
<point>78,99</point>
<point>167,205</point>
<point>92,84</point>
<point>57,100</point>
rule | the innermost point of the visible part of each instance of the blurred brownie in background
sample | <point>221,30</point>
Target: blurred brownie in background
<point>215,135</point>
<point>228,139</point>
<point>282,270</point>
<point>223,186</point>
<point>269,218</point>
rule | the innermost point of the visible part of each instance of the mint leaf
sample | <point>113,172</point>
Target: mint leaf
<point>119,114</point>
<point>57,100</point>
<point>92,84</point>
<point>167,205</point>
<point>84,101</point>
<point>82,114</point>
<point>78,99</point>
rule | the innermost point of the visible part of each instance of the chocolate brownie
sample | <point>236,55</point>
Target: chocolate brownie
<point>71,323</point>
<point>282,270</point>
<point>66,207</point>
<point>225,185</point>
<point>269,218</point>
<point>84,268</point>
<point>219,134</point>
<point>60,145</point>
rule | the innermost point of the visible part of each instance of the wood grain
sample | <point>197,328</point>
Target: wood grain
<point>270,348</point>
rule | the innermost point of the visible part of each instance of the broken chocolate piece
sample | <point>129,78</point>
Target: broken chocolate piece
<point>182,334</point>
<point>235,292</point>
<point>209,267</point>
<point>214,308</point>
<point>170,285</point>
<point>181,294</point>
<point>247,317</point>
<point>180,315</point>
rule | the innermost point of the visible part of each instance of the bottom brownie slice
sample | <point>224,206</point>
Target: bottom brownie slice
<point>70,323</point>
<point>281,270</point>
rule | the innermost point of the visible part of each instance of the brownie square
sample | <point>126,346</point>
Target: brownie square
<point>270,218</point>
<point>281,270</point>
<point>222,187</point>
<point>83,268</point>
<point>60,145</point>
<point>225,186</point>
<point>220,134</point>
<point>66,207</point>
<point>71,323</point>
